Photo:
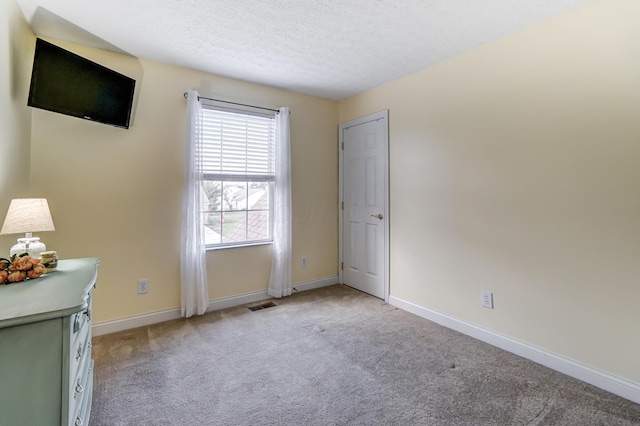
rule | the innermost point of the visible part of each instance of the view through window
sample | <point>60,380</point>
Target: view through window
<point>239,171</point>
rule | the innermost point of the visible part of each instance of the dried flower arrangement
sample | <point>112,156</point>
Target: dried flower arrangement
<point>20,268</point>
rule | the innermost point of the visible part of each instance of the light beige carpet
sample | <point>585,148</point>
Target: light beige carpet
<point>331,356</point>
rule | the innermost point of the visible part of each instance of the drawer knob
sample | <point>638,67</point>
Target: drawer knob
<point>76,324</point>
<point>79,390</point>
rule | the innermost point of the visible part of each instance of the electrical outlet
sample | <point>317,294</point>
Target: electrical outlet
<point>143,286</point>
<point>303,262</point>
<point>487,299</point>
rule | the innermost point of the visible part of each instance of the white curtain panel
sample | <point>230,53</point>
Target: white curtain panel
<point>280,280</point>
<point>194,290</point>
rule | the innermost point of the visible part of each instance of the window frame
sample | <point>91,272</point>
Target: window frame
<point>248,178</point>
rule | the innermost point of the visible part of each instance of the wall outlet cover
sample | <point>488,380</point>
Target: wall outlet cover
<point>143,286</point>
<point>487,299</point>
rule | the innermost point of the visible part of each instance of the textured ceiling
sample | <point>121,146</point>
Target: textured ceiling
<point>328,48</point>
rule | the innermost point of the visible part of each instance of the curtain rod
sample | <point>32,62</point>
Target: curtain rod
<point>234,103</point>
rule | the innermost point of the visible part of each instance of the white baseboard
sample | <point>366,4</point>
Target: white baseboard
<point>240,299</point>
<point>144,320</point>
<point>600,379</point>
<point>322,282</point>
<point>107,327</point>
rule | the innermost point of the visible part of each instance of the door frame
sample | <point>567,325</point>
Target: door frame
<point>382,115</point>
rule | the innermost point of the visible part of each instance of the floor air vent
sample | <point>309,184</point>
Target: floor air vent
<point>263,306</point>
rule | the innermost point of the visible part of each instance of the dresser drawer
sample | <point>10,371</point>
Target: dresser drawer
<point>79,350</point>
<point>79,322</point>
<point>81,411</point>
<point>80,388</point>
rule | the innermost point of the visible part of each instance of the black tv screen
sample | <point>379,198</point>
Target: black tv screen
<point>69,84</point>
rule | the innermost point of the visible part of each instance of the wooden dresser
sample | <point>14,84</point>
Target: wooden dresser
<point>46,370</point>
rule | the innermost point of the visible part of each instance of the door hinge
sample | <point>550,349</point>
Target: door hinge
<point>342,266</point>
<point>343,205</point>
<point>343,146</point>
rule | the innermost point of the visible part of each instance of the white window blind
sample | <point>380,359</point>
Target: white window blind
<point>238,146</point>
<point>238,154</point>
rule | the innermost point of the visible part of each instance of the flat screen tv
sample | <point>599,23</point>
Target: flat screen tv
<point>69,84</point>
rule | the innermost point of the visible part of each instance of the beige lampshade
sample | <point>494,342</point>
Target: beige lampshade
<point>27,215</point>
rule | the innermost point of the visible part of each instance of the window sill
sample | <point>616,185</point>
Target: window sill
<point>233,246</point>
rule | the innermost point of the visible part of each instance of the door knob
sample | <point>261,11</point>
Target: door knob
<point>378,216</point>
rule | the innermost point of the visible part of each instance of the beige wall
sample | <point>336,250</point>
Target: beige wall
<point>16,46</point>
<point>117,194</point>
<point>515,168</point>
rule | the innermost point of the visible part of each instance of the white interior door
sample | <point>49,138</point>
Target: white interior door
<point>364,207</point>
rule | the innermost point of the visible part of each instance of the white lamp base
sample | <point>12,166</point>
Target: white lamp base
<point>32,246</point>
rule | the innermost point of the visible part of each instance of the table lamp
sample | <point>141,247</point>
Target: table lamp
<point>28,215</point>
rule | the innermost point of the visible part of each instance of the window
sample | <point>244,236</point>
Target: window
<point>239,174</point>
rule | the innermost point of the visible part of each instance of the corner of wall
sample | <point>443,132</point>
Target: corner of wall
<point>15,115</point>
